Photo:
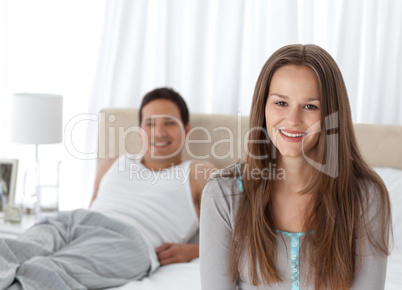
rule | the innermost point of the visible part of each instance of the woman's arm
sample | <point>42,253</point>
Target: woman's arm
<point>215,237</point>
<point>371,272</point>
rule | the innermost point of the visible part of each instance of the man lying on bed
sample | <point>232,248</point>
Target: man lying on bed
<point>142,214</point>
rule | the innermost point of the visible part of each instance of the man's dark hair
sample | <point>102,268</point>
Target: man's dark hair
<point>168,94</point>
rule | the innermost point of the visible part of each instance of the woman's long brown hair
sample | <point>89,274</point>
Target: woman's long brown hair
<point>340,188</point>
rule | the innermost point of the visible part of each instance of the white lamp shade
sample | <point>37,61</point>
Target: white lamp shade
<point>37,118</point>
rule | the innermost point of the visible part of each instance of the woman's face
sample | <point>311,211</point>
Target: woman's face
<point>293,110</point>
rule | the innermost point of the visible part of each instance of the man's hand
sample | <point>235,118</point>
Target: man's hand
<point>177,253</point>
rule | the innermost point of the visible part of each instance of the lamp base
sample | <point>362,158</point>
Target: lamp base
<point>41,189</point>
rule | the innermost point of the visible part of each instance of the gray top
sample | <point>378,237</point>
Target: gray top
<point>220,201</point>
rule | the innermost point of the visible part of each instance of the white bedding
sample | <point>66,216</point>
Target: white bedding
<point>186,276</point>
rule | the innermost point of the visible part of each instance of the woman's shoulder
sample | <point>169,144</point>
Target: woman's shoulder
<point>231,171</point>
<point>225,182</point>
<point>222,194</point>
<point>373,193</point>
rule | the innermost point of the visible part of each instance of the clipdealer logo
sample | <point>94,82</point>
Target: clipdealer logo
<point>117,136</point>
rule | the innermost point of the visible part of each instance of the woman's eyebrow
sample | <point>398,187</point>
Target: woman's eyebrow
<point>311,99</point>
<point>280,96</point>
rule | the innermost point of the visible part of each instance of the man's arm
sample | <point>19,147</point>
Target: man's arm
<point>103,167</point>
<point>177,253</point>
<point>200,172</point>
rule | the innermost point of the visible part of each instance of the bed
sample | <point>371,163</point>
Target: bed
<point>220,139</point>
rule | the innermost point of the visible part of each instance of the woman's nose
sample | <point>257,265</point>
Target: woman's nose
<point>294,117</point>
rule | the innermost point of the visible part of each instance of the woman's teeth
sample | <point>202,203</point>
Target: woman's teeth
<point>292,135</point>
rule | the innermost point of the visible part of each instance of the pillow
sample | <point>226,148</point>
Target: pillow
<point>393,181</point>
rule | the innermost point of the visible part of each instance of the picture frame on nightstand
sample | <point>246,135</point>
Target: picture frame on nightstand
<point>8,180</point>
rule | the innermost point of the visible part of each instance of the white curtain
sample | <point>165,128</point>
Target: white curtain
<point>212,51</point>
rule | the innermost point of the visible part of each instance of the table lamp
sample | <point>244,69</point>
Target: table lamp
<point>38,119</point>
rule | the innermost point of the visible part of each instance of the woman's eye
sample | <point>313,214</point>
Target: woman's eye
<point>281,103</point>
<point>149,124</point>
<point>311,107</point>
<point>170,123</point>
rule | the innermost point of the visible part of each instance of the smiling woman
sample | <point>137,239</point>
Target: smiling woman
<point>331,212</point>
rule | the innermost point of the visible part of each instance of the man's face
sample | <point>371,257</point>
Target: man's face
<point>165,132</point>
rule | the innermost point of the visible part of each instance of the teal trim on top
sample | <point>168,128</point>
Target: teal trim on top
<point>294,243</point>
<point>298,234</point>
<point>239,179</point>
<point>294,256</point>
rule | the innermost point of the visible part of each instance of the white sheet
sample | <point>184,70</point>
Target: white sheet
<point>187,277</point>
<point>183,276</point>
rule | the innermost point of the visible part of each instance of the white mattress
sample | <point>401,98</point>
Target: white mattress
<point>187,277</point>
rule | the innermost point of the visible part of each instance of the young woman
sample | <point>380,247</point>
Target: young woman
<point>304,210</point>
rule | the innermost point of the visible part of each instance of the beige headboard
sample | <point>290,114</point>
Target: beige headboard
<point>220,138</point>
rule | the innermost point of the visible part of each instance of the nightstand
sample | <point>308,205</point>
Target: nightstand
<point>13,230</point>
